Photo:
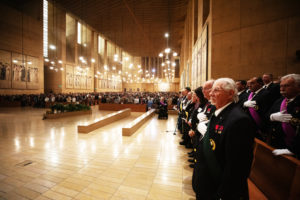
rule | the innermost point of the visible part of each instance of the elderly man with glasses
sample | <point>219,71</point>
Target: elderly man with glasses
<point>225,152</point>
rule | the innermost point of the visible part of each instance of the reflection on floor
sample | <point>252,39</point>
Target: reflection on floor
<point>48,159</point>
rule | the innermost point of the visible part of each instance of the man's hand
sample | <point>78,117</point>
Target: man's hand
<point>202,127</point>
<point>202,117</point>
<point>191,133</point>
<point>280,117</point>
<point>278,152</point>
<point>250,104</point>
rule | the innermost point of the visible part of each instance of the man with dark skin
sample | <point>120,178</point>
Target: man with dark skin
<point>257,106</point>
<point>272,88</point>
<point>242,93</point>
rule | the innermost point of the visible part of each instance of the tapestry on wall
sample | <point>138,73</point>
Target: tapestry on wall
<point>32,72</point>
<point>5,69</point>
<point>89,80</point>
<point>18,71</point>
<point>103,84</point>
<point>204,48</point>
<point>199,60</point>
<point>83,81</point>
<point>69,77</point>
<point>77,78</point>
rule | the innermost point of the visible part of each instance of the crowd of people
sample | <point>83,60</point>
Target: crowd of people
<point>220,120</point>
<point>42,100</point>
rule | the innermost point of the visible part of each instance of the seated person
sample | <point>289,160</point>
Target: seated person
<point>162,109</point>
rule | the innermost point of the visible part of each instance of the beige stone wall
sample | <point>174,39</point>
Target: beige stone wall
<point>11,38</point>
<point>250,38</point>
<point>246,38</point>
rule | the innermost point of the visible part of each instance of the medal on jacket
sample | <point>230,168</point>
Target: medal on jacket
<point>219,129</point>
<point>208,110</point>
<point>212,144</point>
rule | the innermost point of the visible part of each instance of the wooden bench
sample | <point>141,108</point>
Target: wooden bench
<point>115,106</point>
<point>103,121</point>
<point>273,177</point>
<point>130,128</point>
<point>10,103</point>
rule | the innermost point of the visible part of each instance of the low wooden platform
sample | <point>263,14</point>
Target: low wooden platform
<point>67,114</point>
<point>273,177</point>
<point>114,106</point>
<point>172,112</point>
<point>103,121</point>
<point>130,128</point>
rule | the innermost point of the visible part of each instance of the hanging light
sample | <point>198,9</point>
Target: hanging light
<point>61,69</point>
<point>167,50</point>
<point>52,47</point>
<point>175,54</point>
<point>60,62</point>
<point>93,60</point>
<point>166,35</point>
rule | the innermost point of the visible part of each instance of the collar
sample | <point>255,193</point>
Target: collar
<point>267,85</point>
<point>240,92</point>
<point>290,100</point>
<point>217,112</point>
<point>257,91</point>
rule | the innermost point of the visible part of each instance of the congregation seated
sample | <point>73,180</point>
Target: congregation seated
<point>44,100</point>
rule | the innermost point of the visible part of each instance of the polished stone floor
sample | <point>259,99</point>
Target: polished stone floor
<point>48,159</point>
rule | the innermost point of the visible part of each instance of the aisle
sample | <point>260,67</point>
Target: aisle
<point>62,164</point>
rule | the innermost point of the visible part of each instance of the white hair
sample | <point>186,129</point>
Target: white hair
<point>296,78</point>
<point>229,85</point>
<point>209,82</point>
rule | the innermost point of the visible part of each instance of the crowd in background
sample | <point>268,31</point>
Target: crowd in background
<point>42,100</point>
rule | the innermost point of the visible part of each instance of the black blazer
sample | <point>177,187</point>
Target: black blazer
<point>274,92</point>
<point>243,97</point>
<point>263,105</point>
<point>232,131</point>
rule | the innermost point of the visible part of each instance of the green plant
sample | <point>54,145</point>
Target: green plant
<point>69,107</point>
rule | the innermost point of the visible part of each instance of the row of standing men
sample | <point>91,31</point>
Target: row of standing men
<point>220,120</point>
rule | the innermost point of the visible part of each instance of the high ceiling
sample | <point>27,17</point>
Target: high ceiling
<point>137,26</point>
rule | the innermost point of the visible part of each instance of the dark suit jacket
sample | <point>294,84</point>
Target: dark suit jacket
<point>275,128</point>
<point>274,92</point>
<point>232,131</point>
<point>243,97</point>
<point>263,105</point>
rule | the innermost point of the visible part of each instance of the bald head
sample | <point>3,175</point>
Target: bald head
<point>207,88</point>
